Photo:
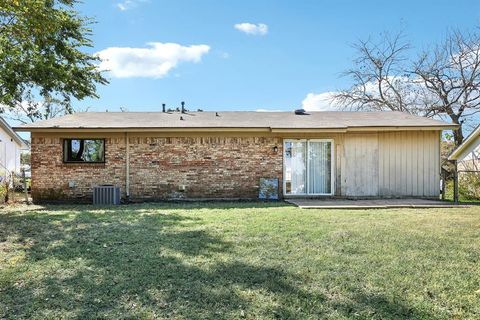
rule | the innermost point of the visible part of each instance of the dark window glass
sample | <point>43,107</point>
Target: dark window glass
<point>84,150</point>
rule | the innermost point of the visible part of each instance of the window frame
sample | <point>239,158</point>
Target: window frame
<point>307,168</point>
<point>84,162</point>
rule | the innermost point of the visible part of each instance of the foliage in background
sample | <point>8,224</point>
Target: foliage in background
<point>3,192</point>
<point>25,158</point>
<point>469,185</point>
<point>461,195</point>
<point>42,62</point>
<point>446,148</point>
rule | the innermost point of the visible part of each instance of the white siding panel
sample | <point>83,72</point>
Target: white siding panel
<point>414,168</point>
<point>362,165</point>
<point>420,162</point>
<point>411,163</point>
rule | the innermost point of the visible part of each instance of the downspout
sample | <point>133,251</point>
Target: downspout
<point>127,167</point>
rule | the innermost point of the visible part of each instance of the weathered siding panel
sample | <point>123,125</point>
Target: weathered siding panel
<point>410,164</point>
<point>392,164</point>
<point>361,165</point>
<point>338,164</point>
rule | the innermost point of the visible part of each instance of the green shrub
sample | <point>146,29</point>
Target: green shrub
<point>3,192</point>
<point>469,185</point>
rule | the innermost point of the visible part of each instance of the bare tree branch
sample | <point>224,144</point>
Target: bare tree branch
<point>451,71</point>
<point>443,81</point>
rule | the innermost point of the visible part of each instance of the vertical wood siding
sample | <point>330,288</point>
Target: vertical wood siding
<point>361,165</point>
<point>409,163</point>
<point>391,164</point>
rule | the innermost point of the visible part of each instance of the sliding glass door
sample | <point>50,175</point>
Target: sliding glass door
<point>308,167</point>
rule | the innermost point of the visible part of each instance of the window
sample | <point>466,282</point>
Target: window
<point>308,167</point>
<point>84,150</point>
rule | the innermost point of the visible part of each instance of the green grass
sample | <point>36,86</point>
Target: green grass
<point>239,260</point>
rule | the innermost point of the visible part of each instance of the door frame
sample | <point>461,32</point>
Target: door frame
<point>307,178</point>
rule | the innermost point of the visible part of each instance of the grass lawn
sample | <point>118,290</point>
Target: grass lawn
<point>239,260</point>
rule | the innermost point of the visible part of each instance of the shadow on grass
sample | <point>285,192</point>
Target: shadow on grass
<point>119,264</point>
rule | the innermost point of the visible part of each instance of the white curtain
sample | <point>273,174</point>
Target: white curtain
<point>295,163</point>
<point>319,167</point>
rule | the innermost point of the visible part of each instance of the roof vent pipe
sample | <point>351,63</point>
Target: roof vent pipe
<point>163,107</point>
<point>183,106</point>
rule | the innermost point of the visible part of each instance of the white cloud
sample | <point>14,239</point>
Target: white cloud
<point>259,29</point>
<point>129,4</point>
<point>125,5</point>
<point>319,102</point>
<point>155,61</point>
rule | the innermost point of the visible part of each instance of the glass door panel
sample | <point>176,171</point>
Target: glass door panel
<point>319,167</point>
<point>295,167</point>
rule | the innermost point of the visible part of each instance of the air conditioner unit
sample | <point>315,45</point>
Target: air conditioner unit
<point>106,195</point>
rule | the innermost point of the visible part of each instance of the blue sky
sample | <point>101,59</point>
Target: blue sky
<point>213,65</point>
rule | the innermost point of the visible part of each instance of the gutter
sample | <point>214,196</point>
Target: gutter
<point>146,129</point>
<point>239,129</point>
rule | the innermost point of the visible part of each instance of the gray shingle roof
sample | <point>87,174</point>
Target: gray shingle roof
<point>245,119</point>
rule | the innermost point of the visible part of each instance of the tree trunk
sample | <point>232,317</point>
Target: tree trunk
<point>80,151</point>
<point>458,135</point>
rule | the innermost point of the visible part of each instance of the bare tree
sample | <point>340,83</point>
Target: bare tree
<point>443,82</point>
<point>451,72</point>
<point>381,80</point>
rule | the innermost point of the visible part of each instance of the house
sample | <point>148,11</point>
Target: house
<point>223,155</point>
<point>11,146</point>
<point>466,157</point>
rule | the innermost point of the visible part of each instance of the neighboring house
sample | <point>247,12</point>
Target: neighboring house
<point>467,155</point>
<point>155,155</point>
<point>466,158</point>
<point>471,162</point>
<point>11,146</point>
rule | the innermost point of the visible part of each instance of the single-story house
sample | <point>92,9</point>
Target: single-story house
<point>224,155</point>
<point>11,146</point>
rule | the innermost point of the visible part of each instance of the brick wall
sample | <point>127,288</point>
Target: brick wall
<point>160,167</point>
<point>51,177</point>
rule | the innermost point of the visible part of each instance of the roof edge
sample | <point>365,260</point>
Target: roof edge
<point>458,150</point>
<point>11,132</point>
<point>236,129</point>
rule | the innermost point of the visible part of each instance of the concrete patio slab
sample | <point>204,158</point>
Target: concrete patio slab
<point>371,203</point>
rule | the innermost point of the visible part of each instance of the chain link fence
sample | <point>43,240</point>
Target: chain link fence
<point>14,187</point>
